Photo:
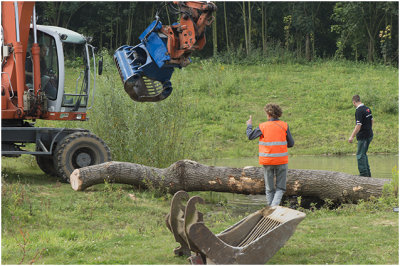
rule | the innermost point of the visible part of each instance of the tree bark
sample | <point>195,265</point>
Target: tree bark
<point>263,39</point>
<point>191,176</point>
<point>117,28</point>
<point>226,29</point>
<point>130,22</point>
<point>249,24</point>
<point>307,47</point>
<point>58,13</point>
<point>246,40</point>
<point>215,35</point>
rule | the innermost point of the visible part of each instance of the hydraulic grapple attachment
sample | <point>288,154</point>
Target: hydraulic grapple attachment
<point>146,68</point>
<point>142,68</point>
<point>142,79</point>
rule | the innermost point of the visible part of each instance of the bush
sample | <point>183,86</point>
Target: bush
<point>74,63</point>
<point>390,192</point>
<point>144,133</point>
<point>391,107</point>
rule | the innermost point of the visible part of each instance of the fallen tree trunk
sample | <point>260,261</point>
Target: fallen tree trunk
<point>191,176</point>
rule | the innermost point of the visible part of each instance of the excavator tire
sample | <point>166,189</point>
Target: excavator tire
<point>77,150</point>
<point>46,164</point>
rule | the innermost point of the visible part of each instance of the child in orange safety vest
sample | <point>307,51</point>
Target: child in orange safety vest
<point>274,141</point>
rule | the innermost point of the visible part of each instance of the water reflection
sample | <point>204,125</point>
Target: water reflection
<point>381,165</point>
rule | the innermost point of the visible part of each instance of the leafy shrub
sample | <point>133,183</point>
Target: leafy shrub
<point>74,63</point>
<point>391,107</point>
<point>390,191</point>
<point>144,133</point>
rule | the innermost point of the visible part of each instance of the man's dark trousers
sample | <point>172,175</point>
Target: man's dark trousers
<point>362,158</point>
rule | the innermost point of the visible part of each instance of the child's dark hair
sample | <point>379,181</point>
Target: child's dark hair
<point>273,110</point>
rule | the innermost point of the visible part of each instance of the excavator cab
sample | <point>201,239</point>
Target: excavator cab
<point>47,73</point>
<point>48,65</point>
<point>67,92</point>
<point>146,68</point>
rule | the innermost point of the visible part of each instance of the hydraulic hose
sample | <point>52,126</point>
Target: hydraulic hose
<point>154,27</point>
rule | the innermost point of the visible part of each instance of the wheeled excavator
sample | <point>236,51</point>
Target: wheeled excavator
<point>35,85</point>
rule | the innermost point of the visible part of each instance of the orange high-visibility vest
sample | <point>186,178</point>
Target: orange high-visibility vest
<point>272,146</point>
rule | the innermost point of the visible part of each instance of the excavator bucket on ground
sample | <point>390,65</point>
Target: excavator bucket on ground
<point>253,240</point>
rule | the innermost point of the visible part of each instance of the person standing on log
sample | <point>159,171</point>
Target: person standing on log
<point>363,131</point>
<point>274,141</point>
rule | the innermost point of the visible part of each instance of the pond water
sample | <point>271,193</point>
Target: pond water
<point>381,167</point>
<point>381,164</point>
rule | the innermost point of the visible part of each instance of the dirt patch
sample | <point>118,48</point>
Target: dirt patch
<point>387,223</point>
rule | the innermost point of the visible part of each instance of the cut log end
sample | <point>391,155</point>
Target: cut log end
<point>76,182</point>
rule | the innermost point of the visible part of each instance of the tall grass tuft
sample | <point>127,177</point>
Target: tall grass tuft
<point>390,193</point>
<point>144,133</point>
<point>16,203</point>
<point>274,53</point>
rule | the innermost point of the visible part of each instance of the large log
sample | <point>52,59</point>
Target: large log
<point>192,176</point>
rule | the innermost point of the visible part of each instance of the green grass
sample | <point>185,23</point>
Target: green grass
<point>105,225</point>
<point>46,222</point>
<point>316,102</point>
<point>205,117</point>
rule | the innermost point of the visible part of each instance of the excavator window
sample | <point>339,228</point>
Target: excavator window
<point>48,65</point>
<point>76,68</point>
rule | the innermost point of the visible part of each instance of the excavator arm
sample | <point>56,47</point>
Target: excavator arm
<point>146,68</point>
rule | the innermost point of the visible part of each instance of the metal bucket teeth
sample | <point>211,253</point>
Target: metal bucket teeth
<point>143,80</point>
<point>253,240</point>
<point>144,89</point>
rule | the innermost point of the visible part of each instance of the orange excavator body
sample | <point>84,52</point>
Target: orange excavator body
<point>28,94</point>
<point>13,72</point>
<point>188,35</point>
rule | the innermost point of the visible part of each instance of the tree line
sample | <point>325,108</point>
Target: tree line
<point>366,31</point>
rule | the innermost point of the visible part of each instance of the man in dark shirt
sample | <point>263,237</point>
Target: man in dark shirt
<point>363,131</point>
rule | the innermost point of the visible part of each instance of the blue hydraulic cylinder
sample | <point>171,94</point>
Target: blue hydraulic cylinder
<point>155,45</point>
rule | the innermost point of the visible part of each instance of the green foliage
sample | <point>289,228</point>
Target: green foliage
<point>273,54</point>
<point>73,63</point>
<point>390,193</point>
<point>119,224</point>
<point>357,25</point>
<point>347,29</point>
<point>316,102</point>
<point>288,22</point>
<point>212,100</point>
<point>145,133</point>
